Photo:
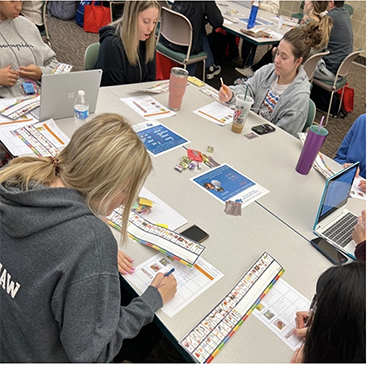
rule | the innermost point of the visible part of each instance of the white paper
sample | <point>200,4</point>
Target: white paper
<point>277,311</point>
<point>356,191</point>
<point>217,113</point>
<point>148,107</point>
<point>41,139</point>
<point>191,281</point>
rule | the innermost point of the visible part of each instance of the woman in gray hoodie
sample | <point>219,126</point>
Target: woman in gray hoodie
<point>24,55</point>
<point>281,90</point>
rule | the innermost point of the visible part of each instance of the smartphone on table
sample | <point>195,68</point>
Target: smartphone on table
<point>263,128</point>
<point>195,233</point>
<point>329,251</point>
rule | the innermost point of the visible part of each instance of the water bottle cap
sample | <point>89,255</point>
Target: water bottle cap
<point>81,92</point>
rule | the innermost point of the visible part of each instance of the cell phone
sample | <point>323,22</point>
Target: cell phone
<point>263,128</point>
<point>329,251</point>
<point>195,233</point>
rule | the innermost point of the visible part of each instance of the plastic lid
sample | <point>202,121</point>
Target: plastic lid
<point>81,92</point>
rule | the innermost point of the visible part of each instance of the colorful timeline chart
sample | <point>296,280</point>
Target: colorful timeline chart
<point>41,139</point>
<point>162,239</point>
<point>205,340</point>
<point>22,107</point>
<point>157,138</point>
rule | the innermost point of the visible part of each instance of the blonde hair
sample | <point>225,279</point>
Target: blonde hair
<point>127,28</point>
<point>323,26</point>
<point>103,158</point>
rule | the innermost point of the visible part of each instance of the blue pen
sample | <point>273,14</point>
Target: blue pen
<point>169,272</point>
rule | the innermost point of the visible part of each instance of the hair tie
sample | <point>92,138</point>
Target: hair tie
<point>323,13</point>
<point>54,161</point>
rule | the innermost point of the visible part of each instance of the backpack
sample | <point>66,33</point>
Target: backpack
<point>79,16</point>
<point>64,10</point>
<point>321,98</point>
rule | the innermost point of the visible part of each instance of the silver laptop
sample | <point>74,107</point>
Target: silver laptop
<point>60,90</point>
<point>333,221</point>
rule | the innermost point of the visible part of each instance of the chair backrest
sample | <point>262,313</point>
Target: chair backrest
<point>349,9</point>
<point>176,28</point>
<point>311,115</point>
<point>344,66</point>
<point>310,64</point>
<point>90,56</point>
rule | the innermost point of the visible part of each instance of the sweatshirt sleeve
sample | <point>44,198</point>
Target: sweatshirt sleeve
<point>213,14</point>
<point>271,6</point>
<point>360,251</point>
<point>87,306</point>
<point>342,153</point>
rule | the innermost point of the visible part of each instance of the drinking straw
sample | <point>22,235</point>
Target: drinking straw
<point>246,92</point>
<point>320,125</point>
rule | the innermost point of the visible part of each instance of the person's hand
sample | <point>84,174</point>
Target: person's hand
<point>8,77</point>
<point>359,232</point>
<point>32,72</point>
<point>166,285</point>
<point>225,93</point>
<point>297,356</point>
<point>362,185</point>
<point>124,263</point>
<point>348,164</point>
<point>301,318</point>
<point>273,50</point>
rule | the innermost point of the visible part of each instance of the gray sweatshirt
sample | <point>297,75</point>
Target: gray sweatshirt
<point>291,111</point>
<point>21,45</point>
<point>59,284</point>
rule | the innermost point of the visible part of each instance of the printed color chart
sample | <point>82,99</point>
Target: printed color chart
<point>205,340</point>
<point>162,239</point>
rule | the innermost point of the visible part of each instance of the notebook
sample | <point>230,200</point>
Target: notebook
<point>60,90</point>
<point>333,222</point>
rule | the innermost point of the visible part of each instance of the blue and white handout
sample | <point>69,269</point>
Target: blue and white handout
<point>157,138</point>
<point>225,183</point>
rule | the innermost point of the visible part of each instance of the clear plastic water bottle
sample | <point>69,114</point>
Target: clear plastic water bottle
<point>81,109</point>
<point>253,14</point>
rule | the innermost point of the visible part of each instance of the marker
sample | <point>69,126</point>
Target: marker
<point>169,272</point>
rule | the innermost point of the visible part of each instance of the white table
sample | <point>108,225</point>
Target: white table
<point>275,223</point>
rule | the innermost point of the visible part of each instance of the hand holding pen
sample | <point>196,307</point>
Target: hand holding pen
<point>303,320</point>
<point>166,285</point>
<point>225,93</point>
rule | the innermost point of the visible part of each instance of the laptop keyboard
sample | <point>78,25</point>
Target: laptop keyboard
<point>341,231</point>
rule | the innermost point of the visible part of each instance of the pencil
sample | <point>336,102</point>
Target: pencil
<point>139,106</point>
<point>221,81</point>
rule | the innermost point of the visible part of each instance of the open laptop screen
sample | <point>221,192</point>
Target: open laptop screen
<point>337,191</point>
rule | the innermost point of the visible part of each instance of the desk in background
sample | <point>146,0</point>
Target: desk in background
<point>276,223</point>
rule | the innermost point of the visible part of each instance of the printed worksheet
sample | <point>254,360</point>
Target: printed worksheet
<point>42,139</point>
<point>157,138</point>
<point>148,107</point>
<point>21,107</point>
<point>207,338</point>
<point>191,281</point>
<point>278,312</point>
<point>217,113</point>
<point>225,183</point>
<point>160,88</point>
<point>356,191</point>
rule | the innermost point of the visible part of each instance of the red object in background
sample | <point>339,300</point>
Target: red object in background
<point>96,17</point>
<point>348,98</point>
<point>163,67</point>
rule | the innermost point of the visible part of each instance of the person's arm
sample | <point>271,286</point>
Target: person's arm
<point>271,6</point>
<point>151,68</point>
<point>292,119</point>
<point>213,14</point>
<point>341,155</point>
<point>112,60</point>
<point>359,237</point>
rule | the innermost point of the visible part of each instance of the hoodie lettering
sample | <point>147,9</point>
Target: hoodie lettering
<point>7,284</point>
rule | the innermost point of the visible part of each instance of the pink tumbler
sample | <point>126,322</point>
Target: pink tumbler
<point>315,139</point>
<point>177,87</point>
